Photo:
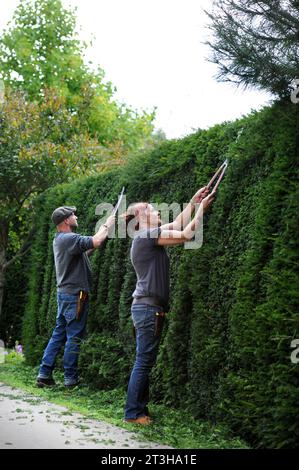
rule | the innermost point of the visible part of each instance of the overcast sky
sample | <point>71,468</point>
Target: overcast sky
<point>152,51</point>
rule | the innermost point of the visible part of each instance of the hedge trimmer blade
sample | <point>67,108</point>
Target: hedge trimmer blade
<point>219,174</point>
<point>120,197</point>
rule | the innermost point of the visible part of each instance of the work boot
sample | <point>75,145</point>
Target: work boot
<point>71,386</point>
<point>42,383</point>
<point>144,420</point>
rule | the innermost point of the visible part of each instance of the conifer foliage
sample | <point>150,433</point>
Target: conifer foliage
<point>226,348</point>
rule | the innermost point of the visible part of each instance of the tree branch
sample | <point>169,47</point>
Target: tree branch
<point>24,248</point>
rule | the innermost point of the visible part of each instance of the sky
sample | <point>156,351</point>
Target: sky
<point>152,52</point>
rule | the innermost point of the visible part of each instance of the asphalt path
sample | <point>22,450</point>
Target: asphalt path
<point>28,422</point>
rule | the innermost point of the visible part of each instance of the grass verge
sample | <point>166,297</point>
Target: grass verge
<point>172,427</point>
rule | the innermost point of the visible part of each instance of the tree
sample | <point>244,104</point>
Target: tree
<point>59,119</point>
<point>40,50</point>
<point>40,146</point>
<point>256,43</point>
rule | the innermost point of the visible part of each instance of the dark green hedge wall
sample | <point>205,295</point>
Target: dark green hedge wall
<point>225,353</point>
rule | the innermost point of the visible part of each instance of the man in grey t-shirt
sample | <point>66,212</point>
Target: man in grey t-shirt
<point>73,275</point>
<point>151,294</point>
<point>151,264</point>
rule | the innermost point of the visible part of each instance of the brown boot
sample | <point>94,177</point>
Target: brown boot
<point>144,420</point>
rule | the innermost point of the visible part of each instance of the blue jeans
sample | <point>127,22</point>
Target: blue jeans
<point>69,332</point>
<point>147,344</point>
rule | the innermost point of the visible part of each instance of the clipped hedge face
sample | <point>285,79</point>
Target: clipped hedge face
<point>225,353</point>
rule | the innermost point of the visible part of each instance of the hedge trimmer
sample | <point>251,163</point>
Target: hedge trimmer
<point>216,179</point>
<point>120,197</point>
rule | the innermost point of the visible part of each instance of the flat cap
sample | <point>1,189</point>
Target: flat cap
<point>62,213</point>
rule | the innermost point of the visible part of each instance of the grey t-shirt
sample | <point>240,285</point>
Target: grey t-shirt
<point>73,270</point>
<point>151,264</point>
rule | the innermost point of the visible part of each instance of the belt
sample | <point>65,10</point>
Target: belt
<point>148,300</point>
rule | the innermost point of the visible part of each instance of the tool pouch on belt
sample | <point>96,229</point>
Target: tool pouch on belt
<point>159,323</point>
<point>82,297</point>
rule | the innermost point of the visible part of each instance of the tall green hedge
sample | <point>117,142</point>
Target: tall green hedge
<point>225,353</point>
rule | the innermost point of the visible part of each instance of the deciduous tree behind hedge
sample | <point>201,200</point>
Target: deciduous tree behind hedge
<point>225,353</point>
<point>40,50</point>
<point>58,119</point>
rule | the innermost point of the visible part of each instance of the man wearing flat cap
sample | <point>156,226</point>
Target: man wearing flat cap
<point>73,275</point>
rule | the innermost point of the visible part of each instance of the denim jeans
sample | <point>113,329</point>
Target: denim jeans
<point>144,317</point>
<point>68,332</point>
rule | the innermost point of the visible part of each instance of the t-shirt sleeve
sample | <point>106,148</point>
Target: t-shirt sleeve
<point>153,235</point>
<point>76,244</point>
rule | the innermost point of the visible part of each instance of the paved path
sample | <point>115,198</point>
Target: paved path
<point>28,422</point>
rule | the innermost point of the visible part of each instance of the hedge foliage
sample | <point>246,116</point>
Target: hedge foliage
<point>225,353</point>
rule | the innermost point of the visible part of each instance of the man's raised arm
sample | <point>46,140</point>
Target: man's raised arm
<point>102,234</point>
